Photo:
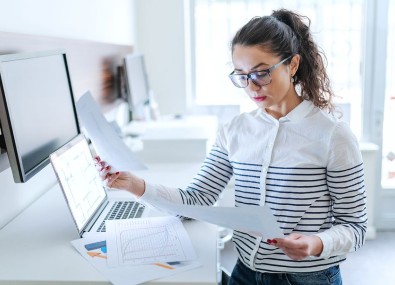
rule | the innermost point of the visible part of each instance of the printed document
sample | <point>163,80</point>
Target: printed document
<point>147,240</point>
<point>256,220</point>
<point>108,145</point>
<point>94,250</point>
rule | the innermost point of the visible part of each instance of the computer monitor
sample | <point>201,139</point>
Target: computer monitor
<point>137,87</point>
<point>37,109</point>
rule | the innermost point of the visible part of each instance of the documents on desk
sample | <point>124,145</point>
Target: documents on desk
<point>147,240</point>
<point>139,250</point>
<point>105,140</point>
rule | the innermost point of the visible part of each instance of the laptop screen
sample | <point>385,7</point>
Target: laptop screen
<point>79,179</point>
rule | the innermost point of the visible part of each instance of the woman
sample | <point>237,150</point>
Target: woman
<point>291,154</point>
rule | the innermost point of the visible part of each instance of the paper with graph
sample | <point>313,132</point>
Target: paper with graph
<point>147,240</point>
<point>93,248</point>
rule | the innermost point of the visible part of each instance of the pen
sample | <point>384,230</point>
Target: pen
<point>164,265</point>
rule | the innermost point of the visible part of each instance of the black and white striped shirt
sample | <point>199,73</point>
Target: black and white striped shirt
<point>306,167</point>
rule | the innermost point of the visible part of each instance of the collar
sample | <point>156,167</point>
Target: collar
<point>299,112</point>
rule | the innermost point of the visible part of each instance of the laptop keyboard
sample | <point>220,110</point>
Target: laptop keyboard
<point>122,210</point>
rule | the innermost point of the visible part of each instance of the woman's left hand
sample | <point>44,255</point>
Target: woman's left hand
<point>298,246</point>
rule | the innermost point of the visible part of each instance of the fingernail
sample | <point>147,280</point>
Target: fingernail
<point>274,241</point>
<point>97,158</point>
<point>108,167</point>
<point>117,172</point>
<point>269,241</point>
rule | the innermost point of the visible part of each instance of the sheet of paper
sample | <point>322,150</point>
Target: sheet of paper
<point>257,220</point>
<point>147,240</point>
<point>108,145</point>
<point>93,248</point>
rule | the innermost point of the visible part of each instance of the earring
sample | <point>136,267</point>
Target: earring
<point>292,79</point>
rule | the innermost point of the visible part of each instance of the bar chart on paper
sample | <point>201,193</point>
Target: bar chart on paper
<point>147,240</point>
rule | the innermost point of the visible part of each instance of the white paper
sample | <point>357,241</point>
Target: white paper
<point>108,145</point>
<point>126,275</point>
<point>147,240</point>
<point>256,220</point>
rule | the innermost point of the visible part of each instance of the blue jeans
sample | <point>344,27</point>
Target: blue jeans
<point>242,275</point>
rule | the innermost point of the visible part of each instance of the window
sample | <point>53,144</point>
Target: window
<point>336,25</point>
<point>388,162</point>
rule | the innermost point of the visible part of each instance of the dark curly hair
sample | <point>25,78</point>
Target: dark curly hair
<point>285,33</point>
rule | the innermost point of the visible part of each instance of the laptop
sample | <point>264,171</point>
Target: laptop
<point>84,191</point>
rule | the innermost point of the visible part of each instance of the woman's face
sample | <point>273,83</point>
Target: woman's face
<point>279,95</point>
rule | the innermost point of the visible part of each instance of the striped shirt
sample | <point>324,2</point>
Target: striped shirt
<point>306,167</point>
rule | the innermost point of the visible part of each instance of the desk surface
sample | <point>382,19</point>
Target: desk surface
<point>35,247</point>
<point>188,127</point>
<point>172,139</point>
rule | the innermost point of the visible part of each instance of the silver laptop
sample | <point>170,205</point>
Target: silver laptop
<point>84,192</point>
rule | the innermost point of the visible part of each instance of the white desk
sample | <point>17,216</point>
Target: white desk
<point>171,140</point>
<point>35,247</point>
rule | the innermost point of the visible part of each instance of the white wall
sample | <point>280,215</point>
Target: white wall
<point>160,36</point>
<point>97,20</point>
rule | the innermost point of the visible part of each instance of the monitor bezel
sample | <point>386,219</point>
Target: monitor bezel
<point>7,124</point>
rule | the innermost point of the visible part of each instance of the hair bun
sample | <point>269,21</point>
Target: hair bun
<point>282,15</point>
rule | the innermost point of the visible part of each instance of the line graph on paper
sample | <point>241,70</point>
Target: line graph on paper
<point>147,240</point>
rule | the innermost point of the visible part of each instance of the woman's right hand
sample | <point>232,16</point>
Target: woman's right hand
<point>119,180</point>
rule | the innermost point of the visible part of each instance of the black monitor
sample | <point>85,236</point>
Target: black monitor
<point>137,87</point>
<point>37,109</point>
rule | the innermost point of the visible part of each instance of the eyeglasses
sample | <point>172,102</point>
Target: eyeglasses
<point>259,78</point>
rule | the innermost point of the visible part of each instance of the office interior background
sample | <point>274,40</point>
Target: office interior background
<point>187,53</point>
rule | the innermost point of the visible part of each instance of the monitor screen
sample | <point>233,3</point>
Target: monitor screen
<point>137,86</point>
<point>37,107</point>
